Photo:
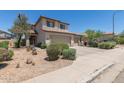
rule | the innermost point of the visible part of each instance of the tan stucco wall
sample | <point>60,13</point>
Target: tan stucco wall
<point>76,39</point>
<point>56,28</point>
<point>41,37</point>
<point>45,37</point>
<point>41,34</point>
<point>42,25</point>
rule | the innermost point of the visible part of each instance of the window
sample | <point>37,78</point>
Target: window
<point>62,26</point>
<point>50,24</point>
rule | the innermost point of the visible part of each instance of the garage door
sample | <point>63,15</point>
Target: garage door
<point>60,39</point>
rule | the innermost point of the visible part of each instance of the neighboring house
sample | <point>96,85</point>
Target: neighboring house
<point>49,30</point>
<point>106,37</point>
<point>5,35</point>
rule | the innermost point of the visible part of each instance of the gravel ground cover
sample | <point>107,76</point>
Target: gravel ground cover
<point>9,73</point>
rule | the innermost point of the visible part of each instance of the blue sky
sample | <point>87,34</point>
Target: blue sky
<point>79,20</point>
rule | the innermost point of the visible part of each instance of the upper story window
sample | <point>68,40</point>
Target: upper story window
<point>50,24</point>
<point>62,26</point>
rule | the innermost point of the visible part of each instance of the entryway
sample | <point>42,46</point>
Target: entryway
<point>32,40</point>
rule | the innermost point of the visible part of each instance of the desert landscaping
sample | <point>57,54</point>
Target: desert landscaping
<point>17,70</point>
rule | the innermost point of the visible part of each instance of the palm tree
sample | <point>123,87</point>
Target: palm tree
<point>21,27</point>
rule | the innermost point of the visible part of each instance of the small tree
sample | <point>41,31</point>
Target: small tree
<point>98,34</point>
<point>92,34</point>
<point>20,28</point>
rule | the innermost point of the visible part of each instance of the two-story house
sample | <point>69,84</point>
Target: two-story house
<point>53,31</point>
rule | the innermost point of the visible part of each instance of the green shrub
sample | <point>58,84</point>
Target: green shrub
<point>11,53</point>
<point>53,52</point>
<point>5,54</point>
<point>69,54</point>
<point>43,46</point>
<point>16,44</point>
<point>107,45</point>
<point>119,40</point>
<point>39,45</point>
<point>62,46</point>
<point>93,44</point>
<point>4,44</point>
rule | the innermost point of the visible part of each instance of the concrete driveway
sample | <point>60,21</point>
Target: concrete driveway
<point>84,51</point>
<point>90,63</point>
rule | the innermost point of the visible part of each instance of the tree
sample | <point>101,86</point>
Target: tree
<point>20,28</point>
<point>92,34</point>
<point>98,34</point>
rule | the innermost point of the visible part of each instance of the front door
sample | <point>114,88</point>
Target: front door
<point>32,40</point>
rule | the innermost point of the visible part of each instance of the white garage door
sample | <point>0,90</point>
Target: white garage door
<point>60,39</point>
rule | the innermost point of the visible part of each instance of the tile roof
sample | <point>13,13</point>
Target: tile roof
<point>61,32</point>
<point>50,19</point>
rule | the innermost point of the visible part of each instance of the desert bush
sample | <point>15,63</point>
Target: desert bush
<point>69,54</point>
<point>93,44</point>
<point>62,46</point>
<point>16,44</point>
<point>11,54</point>
<point>5,54</point>
<point>43,46</point>
<point>4,44</point>
<point>107,45</point>
<point>39,45</point>
<point>119,40</point>
<point>53,52</point>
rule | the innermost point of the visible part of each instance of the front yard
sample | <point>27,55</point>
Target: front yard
<point>10,73</point>
<point>31,62</point>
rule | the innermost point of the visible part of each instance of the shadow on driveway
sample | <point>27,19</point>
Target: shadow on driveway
<point>3,65</point>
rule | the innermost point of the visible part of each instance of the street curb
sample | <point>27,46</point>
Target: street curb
<point>93,75</point>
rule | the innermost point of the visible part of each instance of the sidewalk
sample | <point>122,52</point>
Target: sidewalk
<point>83,69</point>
